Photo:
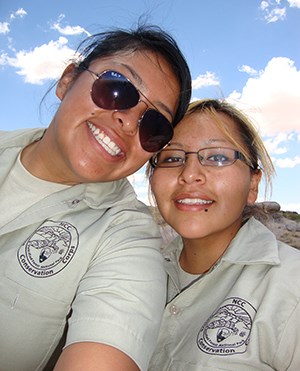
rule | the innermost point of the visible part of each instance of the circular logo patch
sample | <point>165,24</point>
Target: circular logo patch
<point>49,249</point>
<point>227,331</point>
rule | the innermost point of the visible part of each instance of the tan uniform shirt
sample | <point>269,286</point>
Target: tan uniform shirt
<point>90,252</point>
<point>242,315</point>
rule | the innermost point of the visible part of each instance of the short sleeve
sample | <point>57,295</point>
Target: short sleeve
<point>121,298</point>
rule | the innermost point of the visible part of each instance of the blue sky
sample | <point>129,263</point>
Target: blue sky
<point>247,51</point>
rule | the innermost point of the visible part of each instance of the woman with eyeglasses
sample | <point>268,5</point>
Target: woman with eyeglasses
<point>233,289</point>
<point>79,253</point>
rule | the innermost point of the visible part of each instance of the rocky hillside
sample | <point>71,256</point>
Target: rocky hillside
<point>284,224</point>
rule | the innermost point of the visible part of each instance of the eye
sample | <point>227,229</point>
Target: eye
<point>217,157</point>
<point>170,157</point>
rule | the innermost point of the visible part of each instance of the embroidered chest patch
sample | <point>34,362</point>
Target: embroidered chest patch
<point>227,331</point>
<point>49,249</point>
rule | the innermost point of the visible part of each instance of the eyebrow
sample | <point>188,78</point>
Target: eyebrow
<point>204,144</point>
<point>140,81</point>
<point>212,141</point>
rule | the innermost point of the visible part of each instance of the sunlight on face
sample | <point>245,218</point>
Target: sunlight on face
<point>201,201</point>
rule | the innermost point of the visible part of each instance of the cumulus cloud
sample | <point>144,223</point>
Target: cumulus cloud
<point>249,70</point>
<point>276,145</point>
<point>139,181</point>
<point>294,3</point>
<point>138,177</point>
<point>208,79</point>
<point>287,162</point>
<point>20,13</point>
<point>44,62</point>
<point>4,27</point>
<point>272,12</point>
<point>272,97</point>
<point>67,30</point>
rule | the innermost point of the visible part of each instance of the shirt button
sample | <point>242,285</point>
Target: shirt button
<point>73,203</point>
<point>173,309</point>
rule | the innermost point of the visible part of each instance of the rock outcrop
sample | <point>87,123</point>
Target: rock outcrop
<point>284,224</point>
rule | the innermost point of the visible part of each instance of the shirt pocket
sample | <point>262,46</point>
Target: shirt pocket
<point>186,366</point>
<point>31,323</point>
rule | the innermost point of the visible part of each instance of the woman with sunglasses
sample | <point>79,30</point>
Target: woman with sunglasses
<point>233,290</point>
<point>76,245</point>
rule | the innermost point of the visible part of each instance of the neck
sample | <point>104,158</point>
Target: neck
<point>37,161</point>
<point>199,255</point>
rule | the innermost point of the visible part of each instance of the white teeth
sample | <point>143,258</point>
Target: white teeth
<point>104,140</point>
<point>194,201</point>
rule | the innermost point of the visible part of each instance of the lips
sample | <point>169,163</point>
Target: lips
<point>104,140</point>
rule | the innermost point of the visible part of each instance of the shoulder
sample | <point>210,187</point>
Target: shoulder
<point>19,138</point>
<point>289,257</point>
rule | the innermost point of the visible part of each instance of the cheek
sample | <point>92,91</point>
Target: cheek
<point>160,187</point>
<point>154,185</point>
<point>234,188</point>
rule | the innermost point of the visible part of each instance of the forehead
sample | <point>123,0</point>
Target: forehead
<point>206,129</point>
<point>149,72</point>
<point>137,59</point>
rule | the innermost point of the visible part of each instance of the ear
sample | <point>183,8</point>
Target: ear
<point>65,81</point>
<point>254,183</point>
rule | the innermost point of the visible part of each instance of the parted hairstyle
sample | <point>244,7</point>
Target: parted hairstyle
<point>252,147</point>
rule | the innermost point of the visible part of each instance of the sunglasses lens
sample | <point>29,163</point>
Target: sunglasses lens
<point>155,131</point>
<point>112,91</point>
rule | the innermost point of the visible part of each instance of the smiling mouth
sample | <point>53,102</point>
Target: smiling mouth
<point>194,201</point>
<point>104,141</point>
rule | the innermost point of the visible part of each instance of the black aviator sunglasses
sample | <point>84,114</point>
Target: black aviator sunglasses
<point>113,91</point>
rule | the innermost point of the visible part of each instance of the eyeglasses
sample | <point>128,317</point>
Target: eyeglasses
<point>212,156</point>
<point>113,91</point>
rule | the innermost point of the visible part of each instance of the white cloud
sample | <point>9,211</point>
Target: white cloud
<point>18,13</point>
<point>4,27</point>
<point>249,70</point>
<point>208,79</point>
<point>287,162</point>
<point>274,144</point>
<point>272,98</point>
<point>294,3</point>
<point>139,182</point>
<point>277,14</point>
<point>264,5</point>
<point>67,30</point>
<point>272,12</point>
<point>138,177</point>
<point>42,63</point>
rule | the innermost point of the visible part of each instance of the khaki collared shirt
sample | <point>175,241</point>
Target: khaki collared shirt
<point>242,315</point>
<point>90,252</point>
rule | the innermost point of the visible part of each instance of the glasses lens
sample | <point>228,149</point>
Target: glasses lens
<point>169,158</point>
<point>155,131</point>
<point>113,91</point>
<point>217,156</point>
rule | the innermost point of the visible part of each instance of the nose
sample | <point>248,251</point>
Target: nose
<point>192,171</point>
<point>129,118</point>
